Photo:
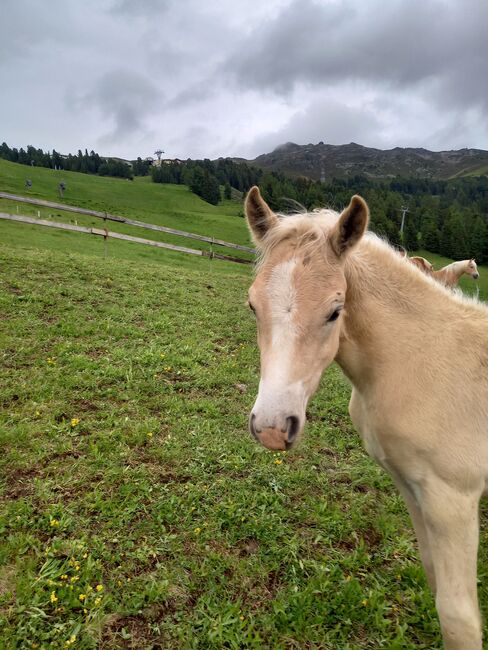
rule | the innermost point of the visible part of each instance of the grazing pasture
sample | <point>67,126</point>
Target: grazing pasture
<point>173,206</point>
<point>135,509</point>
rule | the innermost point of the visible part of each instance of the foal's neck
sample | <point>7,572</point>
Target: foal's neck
<point>391,313</point>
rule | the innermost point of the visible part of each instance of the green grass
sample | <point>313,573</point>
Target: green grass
<point>126,463</point>
<point>200,538</point>
<point>173,206</point>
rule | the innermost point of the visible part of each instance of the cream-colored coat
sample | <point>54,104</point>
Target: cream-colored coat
<point>417,358</point>
<point>451,274</point>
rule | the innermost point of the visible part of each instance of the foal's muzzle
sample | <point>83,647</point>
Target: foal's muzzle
<point>275,438</point>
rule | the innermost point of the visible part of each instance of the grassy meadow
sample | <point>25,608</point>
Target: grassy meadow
<point>135,510</point>
<point>173,206</point>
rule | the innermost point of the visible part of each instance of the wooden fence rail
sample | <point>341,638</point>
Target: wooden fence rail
<point>117,235</point>
<point>131,222</point>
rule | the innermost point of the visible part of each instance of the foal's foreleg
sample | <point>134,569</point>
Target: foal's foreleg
<point>451,522</point>
<point>421,534</point>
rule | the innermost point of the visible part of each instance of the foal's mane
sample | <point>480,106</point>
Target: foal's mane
<point>308,232</point>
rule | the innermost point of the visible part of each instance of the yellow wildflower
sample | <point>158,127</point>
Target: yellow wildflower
<point>38,413</point>
<point>54,522</point>
<point>75,421</point>
<point>51,361</point>
<point>64,576</point>
<point>98,601</point>
<point>348,578</point>
<point>150,434</point>
<point>85,611</point>
<point>82,597</point>
<point>119,583</point>
<point>241,618</point>
<point>54,598</point>
<point>77,567</point>
<point>85,555</point>
<point>99,587</point>
<point>278,461</point>
<point>364,602</point>
<point>197,531</point>
<point>75,578</point>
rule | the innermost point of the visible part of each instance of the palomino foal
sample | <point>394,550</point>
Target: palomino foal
<point>450,274</point>
<point>419,400</point>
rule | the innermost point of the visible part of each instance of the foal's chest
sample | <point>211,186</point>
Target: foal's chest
<point>364,421</point>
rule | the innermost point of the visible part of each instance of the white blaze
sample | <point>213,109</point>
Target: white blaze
<point>278,397</point>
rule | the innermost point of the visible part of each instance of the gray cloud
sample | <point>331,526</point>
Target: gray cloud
<point>148,9</point>
<point>214,78</point>
<point>328,120</point>
<point>126,97</point>
<point>395,45</point>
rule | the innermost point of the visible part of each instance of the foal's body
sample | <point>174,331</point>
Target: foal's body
<point>417,358</point>
<point>451,274</point>
<point>420,403</point>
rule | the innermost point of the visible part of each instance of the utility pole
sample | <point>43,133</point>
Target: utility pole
<point>404,211</point>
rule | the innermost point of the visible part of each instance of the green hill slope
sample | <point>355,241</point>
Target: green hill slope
<point>173,206</point>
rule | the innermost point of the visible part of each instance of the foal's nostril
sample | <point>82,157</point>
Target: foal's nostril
<point>252,426</point>
<point>292,428</point>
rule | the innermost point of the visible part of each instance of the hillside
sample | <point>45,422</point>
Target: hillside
<point>168,205</point>
<point>173,206</point>
<point>328,161</point>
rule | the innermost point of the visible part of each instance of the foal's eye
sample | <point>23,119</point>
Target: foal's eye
<point>335,315</point>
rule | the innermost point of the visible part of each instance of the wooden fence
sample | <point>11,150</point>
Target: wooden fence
<point>117,235</point>
<point>106,216</point>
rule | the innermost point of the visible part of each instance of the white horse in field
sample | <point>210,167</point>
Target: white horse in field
<point>417,358</point>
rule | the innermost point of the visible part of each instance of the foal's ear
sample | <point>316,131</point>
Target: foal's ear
<point>351,225</point>
<point>260,217</point>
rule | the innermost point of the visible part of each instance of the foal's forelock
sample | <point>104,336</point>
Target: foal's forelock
<point>305,234</point>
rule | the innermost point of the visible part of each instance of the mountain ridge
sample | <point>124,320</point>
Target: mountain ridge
<point>325,161</point>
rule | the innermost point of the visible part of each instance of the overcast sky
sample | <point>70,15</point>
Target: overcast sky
<point>209,78</point>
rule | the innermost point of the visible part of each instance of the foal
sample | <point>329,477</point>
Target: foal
<point>450,274</point>
<point>419,400</point>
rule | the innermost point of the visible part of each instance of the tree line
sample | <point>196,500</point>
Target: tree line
<point>86,163</point>
<point>446,217</point>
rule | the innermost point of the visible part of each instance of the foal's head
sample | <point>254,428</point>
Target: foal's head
<point>298,296</point>
<point>471,269</point>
